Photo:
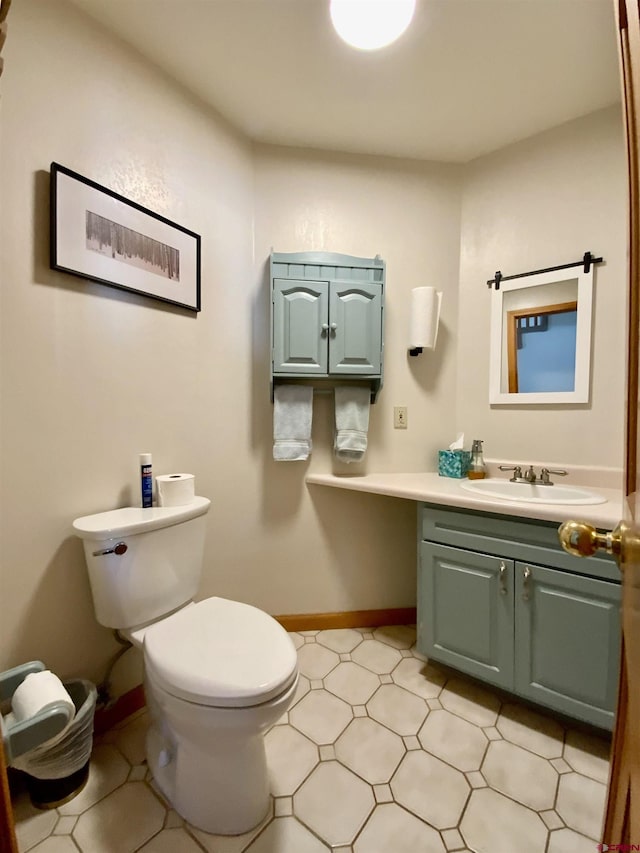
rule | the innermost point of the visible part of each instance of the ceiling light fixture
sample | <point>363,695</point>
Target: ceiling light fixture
<point>371,24</point>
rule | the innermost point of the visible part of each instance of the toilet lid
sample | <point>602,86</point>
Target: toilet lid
<point>220,653</point>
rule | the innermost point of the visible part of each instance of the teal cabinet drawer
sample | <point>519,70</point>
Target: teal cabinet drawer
<point>516,538</point>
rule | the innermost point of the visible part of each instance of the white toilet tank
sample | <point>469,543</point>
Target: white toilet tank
<point>152,564</point>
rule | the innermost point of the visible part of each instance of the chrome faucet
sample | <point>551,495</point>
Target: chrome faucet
<point>529,475</point>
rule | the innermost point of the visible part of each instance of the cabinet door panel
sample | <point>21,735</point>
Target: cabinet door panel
<point>465,611</point>
<point>355,344</point>
<point>300,309</point>
<point>567,642</point>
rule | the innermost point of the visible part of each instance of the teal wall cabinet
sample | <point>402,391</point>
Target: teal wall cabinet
<point>327,315</point>
<point>499,600</point>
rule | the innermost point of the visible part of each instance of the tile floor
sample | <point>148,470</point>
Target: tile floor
<point>381,753</point>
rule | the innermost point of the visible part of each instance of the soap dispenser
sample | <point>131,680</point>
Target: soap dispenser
<point>477,470</point>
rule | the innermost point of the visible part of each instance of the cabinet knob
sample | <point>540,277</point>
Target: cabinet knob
<point>526,575</point>
<point>325,327</point>
<point>334,326</point>
<point>503,578</point>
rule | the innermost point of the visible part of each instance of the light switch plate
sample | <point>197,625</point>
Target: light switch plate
<point>400,417</point>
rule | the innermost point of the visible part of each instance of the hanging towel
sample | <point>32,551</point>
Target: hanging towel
<point>352,423</point>
<point>292,411</point>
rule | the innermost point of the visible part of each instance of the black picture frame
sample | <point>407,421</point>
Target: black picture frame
<point>102,236</point>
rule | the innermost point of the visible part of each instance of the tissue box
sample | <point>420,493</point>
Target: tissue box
<point>453,463</point>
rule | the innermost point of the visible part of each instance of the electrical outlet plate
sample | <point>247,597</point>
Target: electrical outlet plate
<point>399,417</point>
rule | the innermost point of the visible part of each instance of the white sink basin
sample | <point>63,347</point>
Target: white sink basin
<point>531,493</point>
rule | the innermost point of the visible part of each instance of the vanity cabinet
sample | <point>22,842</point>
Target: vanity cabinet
<point>500,600</point>
<point>327,316</point>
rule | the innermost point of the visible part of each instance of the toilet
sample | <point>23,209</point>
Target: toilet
<point>218,673</point>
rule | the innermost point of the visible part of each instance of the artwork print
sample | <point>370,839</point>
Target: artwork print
<point>100,235</point>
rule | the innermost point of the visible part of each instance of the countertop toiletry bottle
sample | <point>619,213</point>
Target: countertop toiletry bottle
<point>146,479</point>
<point>477,470</point>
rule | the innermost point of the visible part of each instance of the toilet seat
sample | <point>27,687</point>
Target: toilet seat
<point>220,653</point>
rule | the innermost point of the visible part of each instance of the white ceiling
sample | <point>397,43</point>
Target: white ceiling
<point>468,77</point>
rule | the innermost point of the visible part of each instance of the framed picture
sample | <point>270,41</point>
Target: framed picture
<point>100,235</point>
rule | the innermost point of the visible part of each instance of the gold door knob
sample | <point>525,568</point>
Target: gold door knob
<point>583,540</point>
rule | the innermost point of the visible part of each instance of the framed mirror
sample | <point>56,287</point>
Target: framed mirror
<point>541,338</point>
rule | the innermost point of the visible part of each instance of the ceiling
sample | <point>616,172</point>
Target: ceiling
<point>467,78</point>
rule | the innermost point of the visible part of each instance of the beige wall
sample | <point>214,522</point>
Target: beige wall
<point>91,375</point>
<point>408,213</point>
<point>542,202</point>
<point>282,545</point>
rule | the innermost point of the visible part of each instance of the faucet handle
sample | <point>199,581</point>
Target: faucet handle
<point>517,470</point>
<point>544,475</point>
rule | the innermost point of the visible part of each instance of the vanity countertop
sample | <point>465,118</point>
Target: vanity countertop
<point>431,488</point>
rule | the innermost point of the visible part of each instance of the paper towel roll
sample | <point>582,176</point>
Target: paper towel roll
<point>175,489</point>
<point>39,691</point>
<point>425,316</point>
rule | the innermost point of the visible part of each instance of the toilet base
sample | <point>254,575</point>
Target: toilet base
<point>210,763</point>
<point>228,796</point>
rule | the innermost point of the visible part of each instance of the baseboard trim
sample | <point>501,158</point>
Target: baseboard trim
<point>123,707</point>
<point>348,619</point>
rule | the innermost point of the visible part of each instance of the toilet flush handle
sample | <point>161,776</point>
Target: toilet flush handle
<point>119,549</point>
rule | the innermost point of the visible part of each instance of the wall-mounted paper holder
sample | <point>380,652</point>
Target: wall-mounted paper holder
<point>20,737</point>
<point>424,319</point>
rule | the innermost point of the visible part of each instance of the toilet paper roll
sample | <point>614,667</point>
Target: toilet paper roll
<point>425,316</point>
<point>36,693</point>
<point>175,489</point>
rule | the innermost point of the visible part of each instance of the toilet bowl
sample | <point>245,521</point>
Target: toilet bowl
<point>218,673</point>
